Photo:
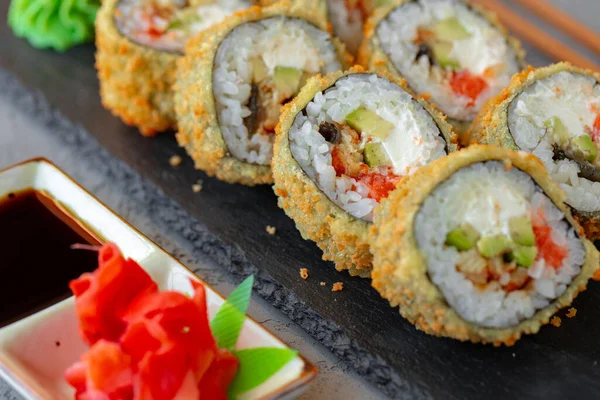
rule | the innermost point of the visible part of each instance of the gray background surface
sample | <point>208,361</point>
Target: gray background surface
<point>21,137</point>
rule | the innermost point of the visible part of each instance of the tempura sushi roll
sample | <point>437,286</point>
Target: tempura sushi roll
<point>234,79</point>
<point>452,52</point>
<point>554,113</point>
<point>138,43</point>
<point>479,246</point>
<point>342,145</point>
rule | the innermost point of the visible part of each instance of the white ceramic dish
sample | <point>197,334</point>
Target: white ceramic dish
<point>35,351</point>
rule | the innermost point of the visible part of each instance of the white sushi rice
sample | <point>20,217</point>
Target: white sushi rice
<point>485,48</point>
<point>487,196</point>
<point>571,98</point>
<point>347,23</point>
<point>132,21</point>
<point>415,140</point>
<point>281,41</point>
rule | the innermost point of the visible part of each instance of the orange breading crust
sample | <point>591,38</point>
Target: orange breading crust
<point>337,287</point>
<point>135,81</point>
<point>400,268</point>
<point>491,125</point>
<point>199,130</point>
<point>341,237</point>
<point>371,55</point>
<point>304,273</point>
<point>318,7</point>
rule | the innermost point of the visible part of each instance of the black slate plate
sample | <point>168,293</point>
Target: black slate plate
<point>556,363</point>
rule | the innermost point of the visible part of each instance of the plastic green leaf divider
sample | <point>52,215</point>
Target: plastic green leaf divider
<point>228,322</point>
<point>257,365</point>
<point>57,24</point>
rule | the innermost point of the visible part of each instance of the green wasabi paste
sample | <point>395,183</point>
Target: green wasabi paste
<point>55,24</point>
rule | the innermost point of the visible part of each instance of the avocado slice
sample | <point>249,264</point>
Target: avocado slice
<point>525,255</point>
<point>287,79</point>
<point>463,238</point>
<point>184,19</point>
<point>558,130</point>
<point>450,29</point>
<point>441,52</point>
<point>367,121</point>
<point>492,246</point>
<point>584,146</point>
<point>259,70</point>
<point>521,231</point>
<point>375,154</point>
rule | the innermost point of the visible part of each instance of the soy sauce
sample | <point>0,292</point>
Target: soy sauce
<point>36,259</point>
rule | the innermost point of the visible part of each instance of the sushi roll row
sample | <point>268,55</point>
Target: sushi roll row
<point>474,244</point>
<point>447,50</point>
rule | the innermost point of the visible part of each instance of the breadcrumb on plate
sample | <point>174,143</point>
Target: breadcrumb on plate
<point>572,312</point>
<point>197,187</point>
<point>175,161</point>
<point>555,321</point>
<point>271,230</point>
<point>322,283</point>
<point>304,273</point>
<point>337,287</point>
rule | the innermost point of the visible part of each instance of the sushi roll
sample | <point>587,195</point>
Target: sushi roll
<point>479,246</point>
<point>554,113</point>
<point>342,145</point>
<point>138,43</point>
<point>235,77</point>
<point>454,53</point>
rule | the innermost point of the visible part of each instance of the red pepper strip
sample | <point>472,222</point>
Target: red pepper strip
<point>552,253</point>
<point>596,130</point>
<point>380,184</point>
<point>463,83</point>
<point>337,162</point>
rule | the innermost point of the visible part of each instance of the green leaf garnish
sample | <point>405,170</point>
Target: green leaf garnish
<point>257,365</point>
<point>228,322</point>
